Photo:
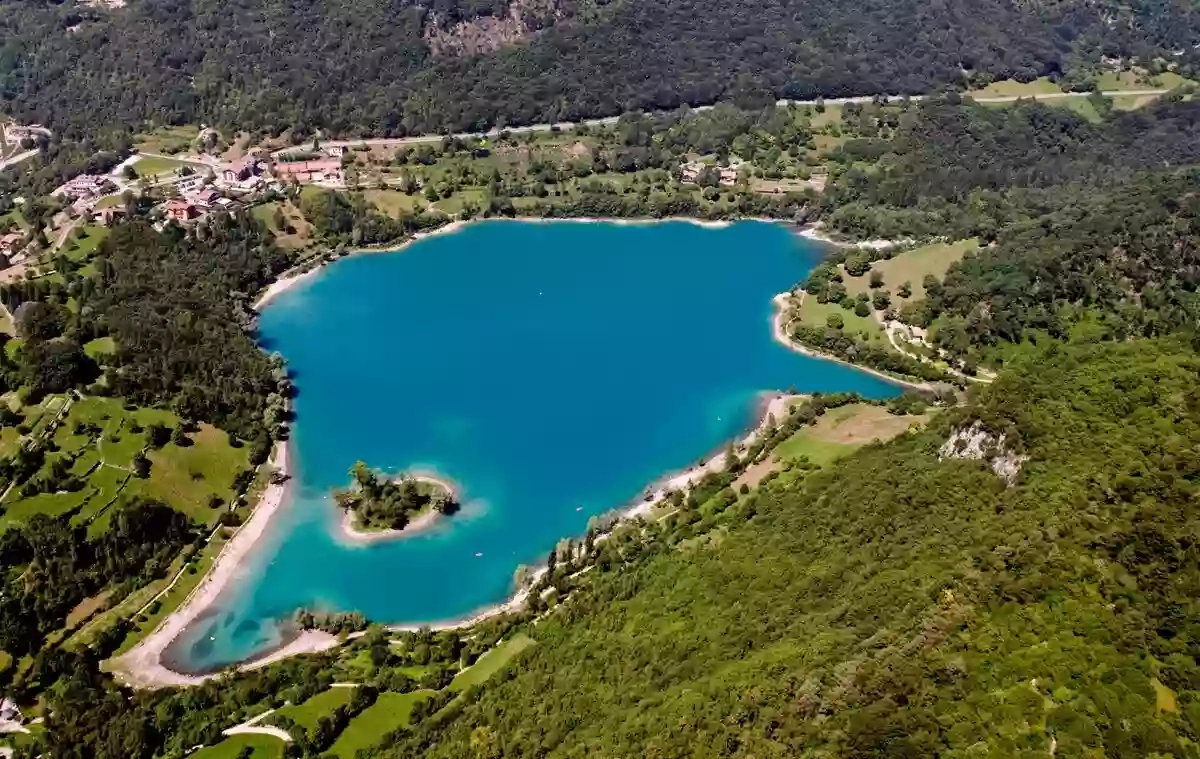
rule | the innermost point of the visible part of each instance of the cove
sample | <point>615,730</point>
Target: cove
<point>553,370</point>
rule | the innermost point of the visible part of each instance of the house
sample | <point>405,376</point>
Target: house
<point>9,711</point>
<point>208,197</point>
<point>110,215</point>
<point>180,210</point>
<point>240,170</point>
<point>728,175</point>
<point>310,171</point>
<point>11,242</point>
<point>335,151</point>
<point>690,172</point>
<point>83,186</point>
<point>190,183</point>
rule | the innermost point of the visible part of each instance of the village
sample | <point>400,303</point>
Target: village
<point>187,178</point>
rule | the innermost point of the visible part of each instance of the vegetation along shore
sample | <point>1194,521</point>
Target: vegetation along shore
<point>997,561</point>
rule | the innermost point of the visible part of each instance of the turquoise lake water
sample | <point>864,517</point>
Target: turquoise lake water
<point>553,370</point>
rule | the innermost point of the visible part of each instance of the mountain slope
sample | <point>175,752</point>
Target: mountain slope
<point>899,605</point>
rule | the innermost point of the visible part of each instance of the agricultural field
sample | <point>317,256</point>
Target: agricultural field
<point>321,705</point>
<point>1013,88</point>
<point>167,139</point>
<point>910,266</point>
<point>234,747</point>
<point>391,711</point>
<point>843,430</point>
<point>491,662</point>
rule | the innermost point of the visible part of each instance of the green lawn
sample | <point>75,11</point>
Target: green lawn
<point>100,348</point>
<point>321,705</point>
<point>148,166</point>
<point>82,248</point>
<point>814,314</point>
<point>390,712</point>
<point>1082,106</point>
<point>262,746</point>
<point>910,266</point>
<point>491,662</point>
<point>1013,88</point>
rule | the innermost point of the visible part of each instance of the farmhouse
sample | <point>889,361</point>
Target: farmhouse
<point>310,171</point>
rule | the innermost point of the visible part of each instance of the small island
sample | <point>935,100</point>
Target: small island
<point>377,506</point>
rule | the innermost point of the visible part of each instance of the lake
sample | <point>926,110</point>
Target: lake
<point>553,370</point>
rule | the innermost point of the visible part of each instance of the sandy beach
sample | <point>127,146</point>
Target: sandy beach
<point>350,534</point>
<point>142,666</point>
<point>815,233</point>
<point>780,302</point>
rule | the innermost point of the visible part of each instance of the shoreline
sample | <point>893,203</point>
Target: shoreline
<point>771,404</point>
<point>779,305</point>
<point>288,281</point>
<point>142,666</point>
<point>424,522</point>
<point>814,232</point>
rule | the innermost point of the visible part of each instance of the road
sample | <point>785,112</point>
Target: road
<point>18,158</point>
<point>569,125</point>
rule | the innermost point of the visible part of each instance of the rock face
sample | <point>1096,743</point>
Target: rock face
<point>484,34</point>
<point>976,442</point>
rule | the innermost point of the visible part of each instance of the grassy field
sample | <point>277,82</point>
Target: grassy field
<point>100,347</point>
<point>910,266</point>
<point>391,711</point>
<point>814,314</point>
<point>393,202</point>
<point>261,747</point>
<point>491,662</point>
<point>1013,88</point>
<point>184,476</point>
<point>843,430</point>
<point>82,248</point>
<point>321,705</point>
<point>167,139</point>
<point>149,166</point>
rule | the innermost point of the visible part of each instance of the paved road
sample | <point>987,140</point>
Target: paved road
<point>569,125</point>
<point>18,158</point>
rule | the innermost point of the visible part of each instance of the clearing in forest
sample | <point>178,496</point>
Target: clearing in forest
<point>910,266</point>
<point>323,704</point>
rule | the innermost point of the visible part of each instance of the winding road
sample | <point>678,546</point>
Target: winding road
<point>569,125</point>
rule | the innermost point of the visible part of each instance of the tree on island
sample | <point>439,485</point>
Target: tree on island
<point>384,503</point>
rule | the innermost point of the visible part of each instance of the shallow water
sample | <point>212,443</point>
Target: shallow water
<point>553,370</point>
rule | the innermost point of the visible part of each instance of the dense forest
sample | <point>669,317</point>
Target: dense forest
<point>370,66</point>
<point>177,305</point>
<point>905,603</point>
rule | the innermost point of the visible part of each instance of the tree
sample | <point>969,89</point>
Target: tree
<point>140,465</point>
<point>904,290</point>
<point>881,300</point>
<point>862,309</point>
<point>876,278</point>
<point>835,321</point>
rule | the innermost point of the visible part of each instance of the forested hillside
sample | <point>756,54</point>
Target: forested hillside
<point>369,66</point>
<point>904,604</point>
